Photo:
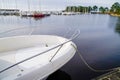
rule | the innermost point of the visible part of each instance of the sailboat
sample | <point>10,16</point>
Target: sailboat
<point>33,57</point>
<point>39,14</point>
<point>35,14</point>
<point>27,13</point>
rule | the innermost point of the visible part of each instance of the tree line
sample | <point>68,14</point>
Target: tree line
<point>115,8</point>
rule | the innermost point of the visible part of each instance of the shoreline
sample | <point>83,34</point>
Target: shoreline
<point>116,15</point>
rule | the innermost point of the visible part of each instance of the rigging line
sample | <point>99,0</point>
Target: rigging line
<point>1,4</point>
<point>28,1</point>
<point>86,63</point>
<point>39,5</point>
<point>16,4</point>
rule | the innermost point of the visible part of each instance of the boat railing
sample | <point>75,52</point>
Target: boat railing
<point>75,35</point>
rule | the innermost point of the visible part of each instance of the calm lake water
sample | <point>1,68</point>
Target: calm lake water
<point>99,40</point>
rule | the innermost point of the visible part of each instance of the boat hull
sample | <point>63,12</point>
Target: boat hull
<point>44,67</point>
<point>38,15</point>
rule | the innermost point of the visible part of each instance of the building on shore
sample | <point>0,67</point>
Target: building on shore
<point>9,11</point>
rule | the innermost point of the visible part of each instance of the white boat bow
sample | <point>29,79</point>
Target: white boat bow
<point>32,57</point>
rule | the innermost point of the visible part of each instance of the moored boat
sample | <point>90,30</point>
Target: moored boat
<point>32,57</point>
<point>38,15</point>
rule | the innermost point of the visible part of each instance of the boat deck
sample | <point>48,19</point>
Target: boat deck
<point>32,57</point>
<point>9,58</point>
<point>113,75</point>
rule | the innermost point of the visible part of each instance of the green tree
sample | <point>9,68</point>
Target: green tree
<point>106,9</point>
<point>80,8</point>
<point>74,9</point>
<point>68,9</point>
<point>89,8</point>
<point>85,9</point>
<point>95,8</point>
<point>102,9</point>
<point>115,8</point>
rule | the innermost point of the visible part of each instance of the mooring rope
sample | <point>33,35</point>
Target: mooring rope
<point>86,63</point>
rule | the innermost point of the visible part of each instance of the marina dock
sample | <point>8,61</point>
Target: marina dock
<point>113,75</point>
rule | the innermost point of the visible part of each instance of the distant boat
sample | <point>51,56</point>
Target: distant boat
<point>33,57</point>
<point>68,13</point>
<point>46,13</point>
<point>38,15</point>
<point>26,14</point>
<point>34,14</point>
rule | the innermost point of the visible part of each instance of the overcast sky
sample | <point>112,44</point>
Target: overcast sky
<point>52,4</point>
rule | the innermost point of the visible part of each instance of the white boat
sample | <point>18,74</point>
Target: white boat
<point>33,57</point>
<point>69,13</point>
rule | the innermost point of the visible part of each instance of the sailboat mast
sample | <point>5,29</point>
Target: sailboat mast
<point>39,5</point>
<point>7,5</point>
<point>16,4</point>
<point>1,4</point>
<point>28,5</point>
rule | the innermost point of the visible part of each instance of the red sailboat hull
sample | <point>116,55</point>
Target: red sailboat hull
<point>39,15</point>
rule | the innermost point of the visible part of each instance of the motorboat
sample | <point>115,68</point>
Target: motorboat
<point>33,57</point>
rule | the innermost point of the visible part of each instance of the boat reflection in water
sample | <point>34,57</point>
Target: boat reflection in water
<point>59,75</point>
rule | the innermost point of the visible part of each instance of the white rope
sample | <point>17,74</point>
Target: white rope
<point>86,63</point>
<point>31,31</point>
<point>12,30</point>
<point>75,34</point>
<point>67,32</point>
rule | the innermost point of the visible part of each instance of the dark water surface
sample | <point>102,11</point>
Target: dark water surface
<point>99,41</point>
